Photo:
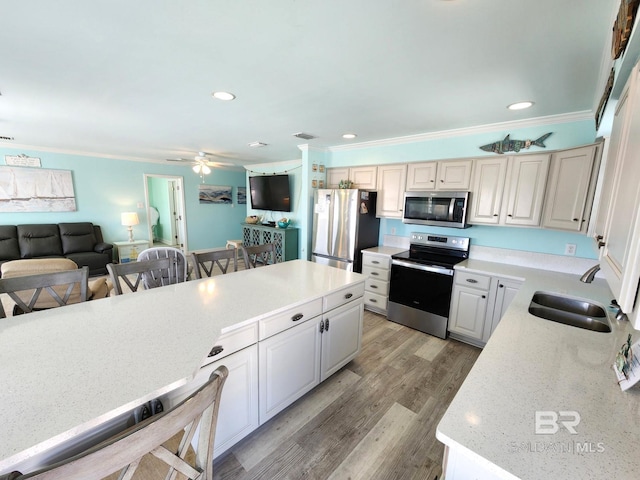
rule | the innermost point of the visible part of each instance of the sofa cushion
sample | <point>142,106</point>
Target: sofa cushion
<point>97,262</point>
<point>9,248</point>
<point>77,237</point>
<point>41,240</point>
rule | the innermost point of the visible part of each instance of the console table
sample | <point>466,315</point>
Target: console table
<point>285,239</point>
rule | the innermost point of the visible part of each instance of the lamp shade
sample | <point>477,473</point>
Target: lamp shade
<point>129,218</point>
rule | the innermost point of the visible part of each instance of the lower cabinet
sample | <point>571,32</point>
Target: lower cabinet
<point>341,338</point>
<point>478,302</point>
<point>284,239</point>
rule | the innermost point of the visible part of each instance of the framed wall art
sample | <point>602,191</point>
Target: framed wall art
<point>214,194</point>
<point>24,189</point>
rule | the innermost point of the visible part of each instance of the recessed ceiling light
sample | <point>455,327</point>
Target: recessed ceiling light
<point>349,135</point>
<point>257,144</point>
<point>520,105</point>
<point>223,95</point>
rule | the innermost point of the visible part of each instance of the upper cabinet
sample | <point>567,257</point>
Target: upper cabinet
<point>391,185</point>
<point>571,177</point>
<point>362,177</point>
<point>509,190</point>
<point>442,175</point>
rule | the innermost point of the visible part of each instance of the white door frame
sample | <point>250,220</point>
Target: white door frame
<point>180,209</point>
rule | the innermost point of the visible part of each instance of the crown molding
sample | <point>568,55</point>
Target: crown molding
<point>78,152</point>
<point>305,147</point>
<point>459,132</point>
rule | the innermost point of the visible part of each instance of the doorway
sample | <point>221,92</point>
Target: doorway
<point>166,218</point>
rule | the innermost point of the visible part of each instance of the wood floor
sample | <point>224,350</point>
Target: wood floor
<point>374,419</point>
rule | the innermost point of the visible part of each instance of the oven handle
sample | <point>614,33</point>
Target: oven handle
<point>425,268</point>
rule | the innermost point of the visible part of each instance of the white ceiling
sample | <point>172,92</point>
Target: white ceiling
<point>133,79</point>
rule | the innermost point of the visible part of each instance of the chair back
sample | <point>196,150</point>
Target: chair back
<point>145,273</point>
<point>259,254</point>
<point>62,288</point>
<point>204,263</point>
<point>177,271</point>
<point>123,452</point>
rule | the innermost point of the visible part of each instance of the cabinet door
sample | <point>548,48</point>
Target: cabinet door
<point>289,367</point>
<point>334,175</point>
<point>506,292</point>
<point>526,189</point>
<point>391,183</point>
<point>487,190</point>
<point>454,175</point>
<point>566,196</point>
<point>468,311</point>
<point>363,177</point>
<point>422,176</point>
<point>341,337</point>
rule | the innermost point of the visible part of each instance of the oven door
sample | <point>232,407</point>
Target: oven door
<point>423,287</point>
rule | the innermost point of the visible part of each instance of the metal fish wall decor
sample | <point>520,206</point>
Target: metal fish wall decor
<point>508,145</point>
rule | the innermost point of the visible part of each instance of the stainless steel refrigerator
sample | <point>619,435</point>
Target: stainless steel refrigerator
<point>344,223</point>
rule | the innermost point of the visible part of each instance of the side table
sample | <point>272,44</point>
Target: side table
<point>128,251</point>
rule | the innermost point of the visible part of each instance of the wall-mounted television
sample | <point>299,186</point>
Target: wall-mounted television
<point>270,192</point>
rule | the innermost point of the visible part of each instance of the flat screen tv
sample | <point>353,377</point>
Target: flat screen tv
<point>270,192</point>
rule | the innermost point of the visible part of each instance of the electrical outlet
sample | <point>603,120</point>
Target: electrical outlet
<point>570,249</point>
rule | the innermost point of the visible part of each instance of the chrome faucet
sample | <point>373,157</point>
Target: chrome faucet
<point>587,277</point>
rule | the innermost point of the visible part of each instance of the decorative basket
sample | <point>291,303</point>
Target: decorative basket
<point>252,219</point>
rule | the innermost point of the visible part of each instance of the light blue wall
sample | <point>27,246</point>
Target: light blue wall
<point>106,187</point>
<point>565,135</point>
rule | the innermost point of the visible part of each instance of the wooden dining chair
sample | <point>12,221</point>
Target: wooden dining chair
<point>69,286</point>
<point>178,270</point>
<point>259,254</point>
<point>148,274</point>
<point>204,263</point>
<point>124,452</point>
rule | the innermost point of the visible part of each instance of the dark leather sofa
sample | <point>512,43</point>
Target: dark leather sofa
<point>81,242</point>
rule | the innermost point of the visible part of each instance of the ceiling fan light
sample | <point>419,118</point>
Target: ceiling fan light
<point>226,96</point>
<point>206,170</point>
<point>520,105</point>
<point>196,168</point>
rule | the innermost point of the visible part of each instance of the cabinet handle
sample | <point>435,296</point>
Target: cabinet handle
<point>375,273</point>
<point>348,295</point>
<point>441,181</point>
<point>575,219</point>
<point>484,296</point>
<point>326,324</point>
<point>495,214</point>
<point>321,326</point>
<point>431,181</point>
<point>374,286</point>
<point>375,261</point>
<point>471,280</point>
<point>215,351</point>
<point>373,300</point>
<point>296,317</point>
<point>509,215</point>
<point>501,285</point>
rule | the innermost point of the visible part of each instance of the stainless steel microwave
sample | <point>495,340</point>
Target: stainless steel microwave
<point>443,209</point>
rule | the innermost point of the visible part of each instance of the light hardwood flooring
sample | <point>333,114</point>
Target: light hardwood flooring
<point>374,419</point>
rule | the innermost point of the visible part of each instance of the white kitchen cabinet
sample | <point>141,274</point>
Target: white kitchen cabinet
<point>469,302</point>
<point>570,182</point>
<point>620,256</point>
<point>487,190</point>
<point>341,337</point>
<point>390,187</point>
<point>440,175</point>
<point>509,190</point>
<point>478,302</point>
<point>362,177</point>
<point>289,367</point>
<point>377,269</point>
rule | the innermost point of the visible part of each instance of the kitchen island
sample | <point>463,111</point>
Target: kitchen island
<point>534,365</point>
<point>70,371</point>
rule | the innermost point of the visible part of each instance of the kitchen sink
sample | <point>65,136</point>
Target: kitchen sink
<point>570,311</point>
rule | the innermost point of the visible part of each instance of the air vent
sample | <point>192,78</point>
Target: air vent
<point>6,138</point>
<point>257,144</point>
<point>305,136</point>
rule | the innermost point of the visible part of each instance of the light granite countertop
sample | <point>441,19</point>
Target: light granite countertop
<point>68,370</point>
<point>385,251</point>
<point>531,364</point>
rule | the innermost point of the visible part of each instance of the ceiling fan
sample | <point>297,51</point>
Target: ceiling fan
<point>202,163</point>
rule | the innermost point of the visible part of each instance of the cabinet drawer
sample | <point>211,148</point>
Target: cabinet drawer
<point>289,318</point>
<point>376,261</point>
<point>374,285</point>
<point>343,296</point>
<point>374,272</point>
<point>232,342</point>
<point>473,280</point>
<point>375,300</point>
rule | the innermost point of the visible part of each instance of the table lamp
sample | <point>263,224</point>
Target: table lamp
<point>129,219</point>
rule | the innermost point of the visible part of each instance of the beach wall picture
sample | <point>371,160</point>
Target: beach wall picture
<point>36,190</point>
<point>214,194</point>
<point>242,195</point>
